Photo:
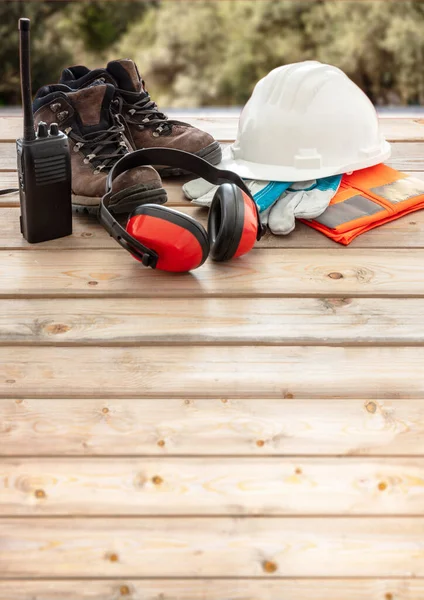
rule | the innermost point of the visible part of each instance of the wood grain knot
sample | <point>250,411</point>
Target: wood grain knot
<point>260,443</point>
<point>86,234</point>
<point>298,471</point>
<point>18,401</point>
<point>335,275</point>
<point>124,590</point>
<point>269,566</point>
<point>157,480</point>
<point>382,486</point>
<point>113,557</point>
<point>388,596</point>
<point>10,380</point>
<point>105,410</point>
<point>224,400</point>
<point>288,396</point>
<point>93,282</point>
<point>56,328</point>
<point>161,443</point>
<point>40,494</point>
<point>371,407</point>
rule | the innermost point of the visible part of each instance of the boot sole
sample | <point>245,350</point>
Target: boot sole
<point>123,202</point>
<point>212,154</point>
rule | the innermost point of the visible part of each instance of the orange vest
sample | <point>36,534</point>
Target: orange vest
<point>367,199</point>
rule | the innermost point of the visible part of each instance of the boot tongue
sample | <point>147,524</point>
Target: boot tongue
<point>93,106</point>
<point>126,75</point>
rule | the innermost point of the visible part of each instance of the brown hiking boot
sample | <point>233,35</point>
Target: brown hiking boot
<point>146,126</point>
<point>97,142</point>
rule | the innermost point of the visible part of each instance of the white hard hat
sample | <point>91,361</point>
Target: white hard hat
<point>305,121</point>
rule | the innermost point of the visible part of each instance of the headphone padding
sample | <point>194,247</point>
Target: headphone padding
<point>225,222</point>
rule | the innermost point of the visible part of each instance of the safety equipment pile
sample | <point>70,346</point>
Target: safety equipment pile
<point>309,147</point>
<point>279,203</point>
<point>340,207</point>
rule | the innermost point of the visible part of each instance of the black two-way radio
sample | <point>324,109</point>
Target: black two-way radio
<point>44,165</point>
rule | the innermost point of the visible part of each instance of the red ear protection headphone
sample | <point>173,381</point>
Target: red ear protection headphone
<point>163,238</point>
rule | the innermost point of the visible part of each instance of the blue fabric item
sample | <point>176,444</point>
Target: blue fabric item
<point>270,194</point>
<point>329,183</point>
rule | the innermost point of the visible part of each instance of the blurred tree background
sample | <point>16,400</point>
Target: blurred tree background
<point>195,53</point>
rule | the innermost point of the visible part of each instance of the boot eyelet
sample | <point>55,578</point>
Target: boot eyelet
<point>62,115</point>
<point>155,134</point>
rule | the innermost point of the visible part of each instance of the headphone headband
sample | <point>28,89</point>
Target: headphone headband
<point>175,158</point>
<point>172,158</point>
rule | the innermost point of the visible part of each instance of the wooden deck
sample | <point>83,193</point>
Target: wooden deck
<point>251,431</point>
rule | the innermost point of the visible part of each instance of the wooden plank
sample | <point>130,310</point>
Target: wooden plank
<point>210,486</point>
<point>402,129</point>
<point>176,198</point>
<point>280,321</point>
<point>407,232</point>
<point>8,179</point>
<point>405,156</point>
<point>173,187</point>
<point>214,589</point>
<point>225,128</point>
<point>187,427</point>
<point>354,272</point>
<point>212,547</point>
<point>8,157</point>
<point>190,371</point>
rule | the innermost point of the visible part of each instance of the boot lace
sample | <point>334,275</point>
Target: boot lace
<point>100,148</point>
<point>144,113</point>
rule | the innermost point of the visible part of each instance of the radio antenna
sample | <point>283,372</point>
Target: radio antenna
<point>25,64</point>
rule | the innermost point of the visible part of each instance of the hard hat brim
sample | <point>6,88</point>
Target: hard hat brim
<point>261,172</point>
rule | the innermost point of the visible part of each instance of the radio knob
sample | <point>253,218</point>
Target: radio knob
<point>42,130</point>
<point>54,129</point>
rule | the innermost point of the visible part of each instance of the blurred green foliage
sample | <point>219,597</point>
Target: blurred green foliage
<point>61,34</point>
<point>212,52</point>
<point>100,24</point>
<point>197,53</point>
<point>47,46</point>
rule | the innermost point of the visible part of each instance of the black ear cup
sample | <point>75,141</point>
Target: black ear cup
<point>225,222</point>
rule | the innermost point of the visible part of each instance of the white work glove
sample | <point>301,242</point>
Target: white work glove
<point>265,193</point>
<point>305,200</point>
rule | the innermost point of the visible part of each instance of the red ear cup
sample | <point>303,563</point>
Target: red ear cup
<point>250,226</point>
<point>181,243</point>
<point>232,223</point>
